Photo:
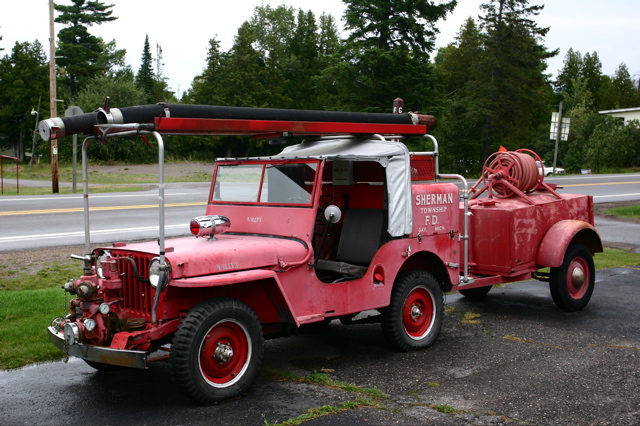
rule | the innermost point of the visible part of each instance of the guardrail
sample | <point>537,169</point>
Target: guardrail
<point>2,157</point>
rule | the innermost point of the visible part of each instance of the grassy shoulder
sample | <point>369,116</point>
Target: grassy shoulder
<point>627,212</point>
<point>29,301</point>
<point>102,178</point>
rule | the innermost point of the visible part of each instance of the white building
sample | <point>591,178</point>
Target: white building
<point>625,114</point>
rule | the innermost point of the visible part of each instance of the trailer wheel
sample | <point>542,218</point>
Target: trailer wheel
<point>572,283</point>
<point>217,350</point>
<point>413,319</point>
<point>476,293</point>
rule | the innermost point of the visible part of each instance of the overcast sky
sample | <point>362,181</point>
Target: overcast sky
<point>183,28</point>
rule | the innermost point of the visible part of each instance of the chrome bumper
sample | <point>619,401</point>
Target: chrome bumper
<point>125,358</point>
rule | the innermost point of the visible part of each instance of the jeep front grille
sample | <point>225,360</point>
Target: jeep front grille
<point>138,295</point>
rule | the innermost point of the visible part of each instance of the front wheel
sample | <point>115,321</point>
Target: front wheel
<point>414,317</point>
<point>572,283</point>
<point>217,350</point>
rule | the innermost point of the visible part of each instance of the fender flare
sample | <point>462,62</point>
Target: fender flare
<point>239,278</point>
<point>558,238</point>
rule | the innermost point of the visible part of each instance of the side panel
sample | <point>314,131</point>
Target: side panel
<point>505,236</point>
<point>435,209</point>
<point>437,224</point>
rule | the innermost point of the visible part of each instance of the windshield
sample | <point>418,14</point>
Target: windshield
<point>276,183</point>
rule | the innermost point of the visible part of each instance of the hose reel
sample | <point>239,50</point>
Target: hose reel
<point>510,173</point>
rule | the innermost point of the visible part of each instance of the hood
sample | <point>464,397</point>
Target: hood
<point>192,257</point>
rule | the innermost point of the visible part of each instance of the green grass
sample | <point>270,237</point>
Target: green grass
<point>367,396</point>
<point>51,275</point>
<point>629,212</point>
<point>612,258</point>
<point>42,190</point>
<point>321,379</point>
<point>24,316</point>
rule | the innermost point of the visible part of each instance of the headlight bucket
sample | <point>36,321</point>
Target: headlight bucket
<point>154,272</point>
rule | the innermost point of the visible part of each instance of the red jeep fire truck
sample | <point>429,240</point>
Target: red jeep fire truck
<point>344,222</point>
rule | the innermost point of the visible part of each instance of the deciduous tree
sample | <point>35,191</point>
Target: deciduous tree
<point>24,77</point>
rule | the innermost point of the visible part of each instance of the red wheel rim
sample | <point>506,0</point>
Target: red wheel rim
<point>417,313</point>
<point>578,278</point>
<point>224,353</point>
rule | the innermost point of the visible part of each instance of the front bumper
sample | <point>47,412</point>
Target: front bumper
<point>125,358</point>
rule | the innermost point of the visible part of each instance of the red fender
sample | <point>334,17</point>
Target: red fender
<point>266,298</point>
<point>557,239</point>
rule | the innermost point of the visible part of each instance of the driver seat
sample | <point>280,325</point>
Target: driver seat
<point>363,232</point>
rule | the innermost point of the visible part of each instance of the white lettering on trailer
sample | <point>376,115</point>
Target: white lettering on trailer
<point>430,199</point>
<point>435,204</point>
<point>254,219</point>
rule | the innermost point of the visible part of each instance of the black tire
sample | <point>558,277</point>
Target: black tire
<point>572,284</point>
<point>476,293</point>
<point>413,319</point>
<point>217,350</point>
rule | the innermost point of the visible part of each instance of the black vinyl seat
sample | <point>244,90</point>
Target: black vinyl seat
<point>363,232</point>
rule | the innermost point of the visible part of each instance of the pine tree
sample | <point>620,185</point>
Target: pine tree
<point>624,90</point>
<point>145,78</point>
<point>571,70</point>
<point>455,67</point>
<point>455,62</point>
<point>390,24</point>
<point>387,53</point>
<point>81,53</point>
<point>508,99</point>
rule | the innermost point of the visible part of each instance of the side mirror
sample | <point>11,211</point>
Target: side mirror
<point>333,214</point>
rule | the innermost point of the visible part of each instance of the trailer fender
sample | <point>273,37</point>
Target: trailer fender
<point>558,238</point>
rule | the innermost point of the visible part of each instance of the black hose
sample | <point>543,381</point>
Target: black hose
<point>85,123</point>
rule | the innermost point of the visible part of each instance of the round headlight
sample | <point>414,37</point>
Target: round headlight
<point>154,272</point>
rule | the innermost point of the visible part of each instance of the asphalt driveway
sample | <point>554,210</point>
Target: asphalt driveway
<point>511,358</point>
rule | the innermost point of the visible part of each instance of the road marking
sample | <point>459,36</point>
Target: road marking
<point>596,184</point>
<point>93,197</point>
<point>81,233</point>
<point>96,209</point>
<point>617,195</point>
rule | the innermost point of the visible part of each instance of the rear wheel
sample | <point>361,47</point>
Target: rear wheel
<point>414,317</point>
<point>217,350</point>
<point>572,283</point>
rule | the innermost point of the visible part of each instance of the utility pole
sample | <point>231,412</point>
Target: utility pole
<point>52,95</point>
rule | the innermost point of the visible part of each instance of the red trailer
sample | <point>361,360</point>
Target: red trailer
<point>344,222</point>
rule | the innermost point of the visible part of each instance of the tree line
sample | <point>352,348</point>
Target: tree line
<point>489,88</point>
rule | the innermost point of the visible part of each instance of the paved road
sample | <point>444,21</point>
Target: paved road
<point>58,219</point>
<point>520,361</point>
